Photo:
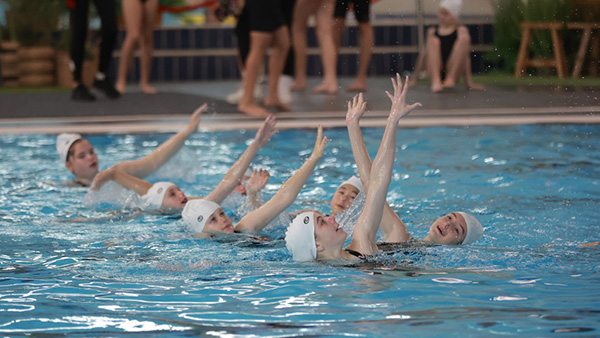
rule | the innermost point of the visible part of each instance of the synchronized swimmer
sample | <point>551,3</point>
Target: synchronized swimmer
<point>312,234</point>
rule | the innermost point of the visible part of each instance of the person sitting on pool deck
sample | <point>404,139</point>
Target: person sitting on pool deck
<point>314,236</point>
<point>447,52</point>
<point>167,197</point>
<point>206,218</point>
<point>81,160</point>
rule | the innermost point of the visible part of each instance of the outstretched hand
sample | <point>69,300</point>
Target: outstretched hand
<point>101,179</point>
<point>399,106</point>
<point>320,143</point>
<point>266,130</point>
<point>258,180</point>
<point>197,115</point>
<point>356,109</point>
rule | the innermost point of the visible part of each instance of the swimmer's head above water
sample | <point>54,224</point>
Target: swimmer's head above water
<point>457,228</point>
<point>345,194</point>
<point>206,216</point>
<point>164,195</point>
<point>78,155</point>
<point>312,235</point>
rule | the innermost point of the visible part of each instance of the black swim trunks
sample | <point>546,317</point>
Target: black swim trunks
<point>265,15</point>
<point>361,9</point>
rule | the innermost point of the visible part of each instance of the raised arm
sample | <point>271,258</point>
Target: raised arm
<point>127,181</point>
<point>365,231</point>
<point>254,186</point>
<point>237,170</point>
<point>392,226</point>
<point>150,163</point>
<point>259,218</point>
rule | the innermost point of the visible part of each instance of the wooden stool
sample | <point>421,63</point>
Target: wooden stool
<point>587,28</point>
<point>559,61</point>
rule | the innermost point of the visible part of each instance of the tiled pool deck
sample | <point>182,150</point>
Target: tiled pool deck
<point>169,110</point>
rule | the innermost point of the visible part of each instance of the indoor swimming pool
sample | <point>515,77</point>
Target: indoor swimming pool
<point>67,268</point>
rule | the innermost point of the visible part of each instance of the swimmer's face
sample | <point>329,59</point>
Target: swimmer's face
<point>446,19</point>
<point>343,198</point>
<point>82,160</point>
<point>448,230</point>
<point>241,188</point>
<point>174,198</point>
<point>328,232</point>
<point>219,222</point>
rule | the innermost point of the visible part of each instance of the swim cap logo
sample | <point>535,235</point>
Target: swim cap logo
<point>160,190</point>
<point>306,220</point>
<point>200,218</point>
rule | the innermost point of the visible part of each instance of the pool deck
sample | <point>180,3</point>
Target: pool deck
<point>168,111</point>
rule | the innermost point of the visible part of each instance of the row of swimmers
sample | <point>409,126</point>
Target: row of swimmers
<point>311,234</point>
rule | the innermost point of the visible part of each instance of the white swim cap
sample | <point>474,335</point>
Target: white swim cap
<point>453,6</point>
<point>155,195</point>
<point>353,181</point>
<point>474,229</point>
<point>300,237</point>
<point>196,213</point>
<point>63,144</point>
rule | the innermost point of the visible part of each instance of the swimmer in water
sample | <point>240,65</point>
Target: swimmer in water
<point>342,198</point>
<point>81,160</point>
<point>452,229</point>
<point>206,218</point>
<point>315,236</point>
<point>168,198</point>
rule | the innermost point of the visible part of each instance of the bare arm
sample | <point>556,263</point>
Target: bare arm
<point>392,226</point>
<point>237,170</point>
<point>258,219</point>
<point>127,181</point>
<point>255,185</point>
<point>368,222</point>
<point>150,163</point>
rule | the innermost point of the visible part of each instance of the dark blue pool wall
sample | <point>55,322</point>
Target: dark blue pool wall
<point>209,53</point>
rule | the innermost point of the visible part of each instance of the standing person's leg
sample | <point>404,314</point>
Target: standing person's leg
<point>281,47</point>
<point>325,25</point>
<point>108,31</point>
<point>339,24</point>
<point>286,79</point>
<point>362,14</point>
<point>259,43</point>
<point>132,15</point>
<point>79,28</point>
<point>150,11</point>
<point>302,11</point>
<point>434,60</point>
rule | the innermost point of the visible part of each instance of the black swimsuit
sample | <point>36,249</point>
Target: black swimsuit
<point>447,42</point>
<point>356,254</point>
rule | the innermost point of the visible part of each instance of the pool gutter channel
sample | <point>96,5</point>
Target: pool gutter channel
<point>292,120</point>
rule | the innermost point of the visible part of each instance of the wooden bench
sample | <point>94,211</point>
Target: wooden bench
<point>559,61</point>
<point>588,30</point>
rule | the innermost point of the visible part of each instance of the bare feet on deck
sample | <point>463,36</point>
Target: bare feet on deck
<point>147,89</point>
<point>277,104</point>
<point>299,85</point>
<point>325,88</point>
<point>252,109</point>
<point>358,86</point>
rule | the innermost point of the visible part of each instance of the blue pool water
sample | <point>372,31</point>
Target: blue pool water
<point>69,269</point>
